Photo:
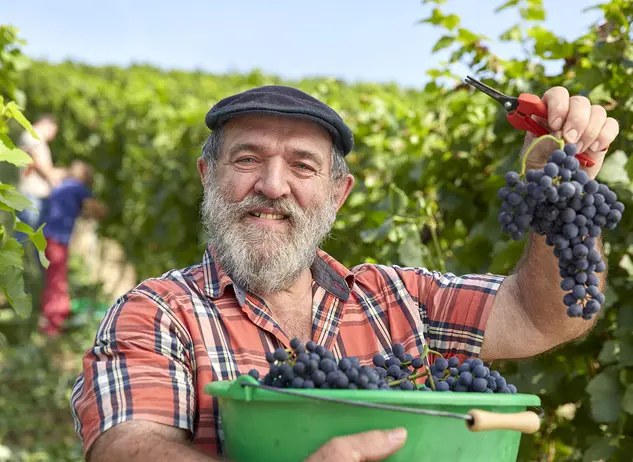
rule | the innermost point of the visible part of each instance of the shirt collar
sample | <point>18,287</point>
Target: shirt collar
<point>330,274</point>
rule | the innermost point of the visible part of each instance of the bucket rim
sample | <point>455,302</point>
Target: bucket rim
<point>233,390</point>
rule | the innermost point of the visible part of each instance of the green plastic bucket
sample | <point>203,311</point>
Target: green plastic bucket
<point>265,425</point>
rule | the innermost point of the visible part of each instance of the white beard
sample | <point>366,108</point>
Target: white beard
<point>264,260</point>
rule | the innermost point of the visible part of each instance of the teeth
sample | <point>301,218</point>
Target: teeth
<point>268,216</point>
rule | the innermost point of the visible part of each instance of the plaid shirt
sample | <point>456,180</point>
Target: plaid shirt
<point>163,341</point>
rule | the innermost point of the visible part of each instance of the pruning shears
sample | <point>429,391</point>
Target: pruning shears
<point>520,112</point>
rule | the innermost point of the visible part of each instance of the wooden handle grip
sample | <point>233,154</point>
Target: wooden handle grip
<point>525,422</point>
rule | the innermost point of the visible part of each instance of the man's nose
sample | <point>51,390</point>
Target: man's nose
<point>273,180</point>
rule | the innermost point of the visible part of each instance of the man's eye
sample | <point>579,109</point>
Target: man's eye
<point>304,167</point>
<point>246,160</point>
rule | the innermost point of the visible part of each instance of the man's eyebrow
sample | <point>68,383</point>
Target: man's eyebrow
<point>241,147</point>
<point>308,155</point>
<point>259,149</point>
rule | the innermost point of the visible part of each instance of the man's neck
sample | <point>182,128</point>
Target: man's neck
<point>292,308</point>
<point>294,293</point>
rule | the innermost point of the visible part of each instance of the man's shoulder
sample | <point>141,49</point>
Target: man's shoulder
<point>174,283</point>
<point>377,274</point>
<point>378,268</point>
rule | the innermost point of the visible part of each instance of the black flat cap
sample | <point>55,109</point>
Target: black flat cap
<point>285,101</point>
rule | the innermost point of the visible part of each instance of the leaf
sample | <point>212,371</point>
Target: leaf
<point>375,234</point>
<point>627,399</point>
<point>15,156</point>
<point>604,390</point>
<point>506,5</point>
<point>613,170</point>
<point>629,167</point>
<point>609,352</point>
<point>11,255</point>
<point>14,199</point>
<point>466,37</point>
<point>438,18</point>
<point>410,251</point>
<point>444,42</point>
<point>625,317</point>
<point>451,21</point>
<point>626,264</point>
<point>600,451</point>
<point>12,283</point>
<point>24,228</point>
<point>511,35</point>
<point>16,113</point>
<point>626,352</point>
<point>39,240</point>
<point>4,139</point>
<point>533,13</point>
<point>398,200</point>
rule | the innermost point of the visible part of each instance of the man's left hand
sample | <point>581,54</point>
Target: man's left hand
<point>579,122</point>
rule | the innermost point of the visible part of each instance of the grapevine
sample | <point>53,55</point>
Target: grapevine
<point>563,204</point>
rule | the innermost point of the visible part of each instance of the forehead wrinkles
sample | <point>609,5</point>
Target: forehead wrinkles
<point>274,134</point>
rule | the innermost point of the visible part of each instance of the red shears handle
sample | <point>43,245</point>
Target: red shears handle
<point>520,118</point>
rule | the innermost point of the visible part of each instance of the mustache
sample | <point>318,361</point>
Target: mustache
<point>286,206</point>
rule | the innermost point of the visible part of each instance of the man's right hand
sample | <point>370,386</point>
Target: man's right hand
<point>367,446</point>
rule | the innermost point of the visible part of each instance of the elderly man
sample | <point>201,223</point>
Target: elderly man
<point>274,177</point>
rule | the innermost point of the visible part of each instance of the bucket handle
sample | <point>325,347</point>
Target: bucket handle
<point>476,419</point>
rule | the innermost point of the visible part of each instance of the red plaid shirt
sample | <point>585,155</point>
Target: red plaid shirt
<point>163,341</point>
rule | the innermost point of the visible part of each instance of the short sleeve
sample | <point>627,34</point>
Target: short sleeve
<point>454,309</point>
<point>138,369</point>
<point>80,190</point>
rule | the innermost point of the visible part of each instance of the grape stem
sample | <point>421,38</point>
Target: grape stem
<point>411,377</point>
<point>431,379</point>
<point>558,141</point>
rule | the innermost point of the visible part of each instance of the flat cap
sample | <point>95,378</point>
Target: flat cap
<point>284,101</point>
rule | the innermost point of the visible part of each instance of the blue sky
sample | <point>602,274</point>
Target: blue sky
<point>369,40</point>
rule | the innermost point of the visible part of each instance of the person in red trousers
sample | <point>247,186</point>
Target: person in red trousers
<point>69,200</point>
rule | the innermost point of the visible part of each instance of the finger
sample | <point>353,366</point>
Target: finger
<point>368,446</point>
<point>597,119</point>
<point>607,135</point>
<point>577,118</point>
<point>557,101</point>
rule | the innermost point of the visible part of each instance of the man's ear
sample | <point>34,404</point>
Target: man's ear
<point>202,168</point>
<point>343,189</point>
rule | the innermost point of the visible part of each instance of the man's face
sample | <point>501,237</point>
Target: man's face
<point>270,201</point>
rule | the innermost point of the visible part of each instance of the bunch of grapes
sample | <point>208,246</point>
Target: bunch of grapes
<point>561,203</point>
<point>312,366</point>
<point>470,376</point>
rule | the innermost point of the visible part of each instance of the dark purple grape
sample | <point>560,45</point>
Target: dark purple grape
<point>465,378</point>
<point>379,360</point>
<point>479,384</point>
<point>397,349</point>
<point>480,371</point>
<point>442,386</point>
<point>441,364</point>
<point>512,178</point>
<point>393,371</point>
<point>574,310</point>
<point>558,156</point>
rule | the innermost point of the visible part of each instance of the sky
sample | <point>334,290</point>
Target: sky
<point>370,40</point>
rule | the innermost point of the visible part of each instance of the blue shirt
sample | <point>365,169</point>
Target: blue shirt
<point>63,207</point>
